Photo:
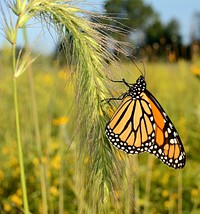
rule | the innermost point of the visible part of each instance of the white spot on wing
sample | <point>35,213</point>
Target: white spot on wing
<point>169,130</point>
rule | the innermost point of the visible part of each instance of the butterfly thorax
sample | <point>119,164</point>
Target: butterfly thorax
<point>136,89</point>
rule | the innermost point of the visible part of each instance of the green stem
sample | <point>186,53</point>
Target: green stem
<point>19,143</point>
<point>37,132</point>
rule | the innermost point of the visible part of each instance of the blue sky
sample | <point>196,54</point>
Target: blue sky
<point>182,10</point>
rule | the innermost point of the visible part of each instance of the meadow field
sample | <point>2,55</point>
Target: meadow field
<point>147,186</point>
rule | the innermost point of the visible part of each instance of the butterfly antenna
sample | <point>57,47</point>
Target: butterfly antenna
<point>143,73</point>
<point>144,69</point>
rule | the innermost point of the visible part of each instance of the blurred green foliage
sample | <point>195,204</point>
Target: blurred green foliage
<point>169,191</point>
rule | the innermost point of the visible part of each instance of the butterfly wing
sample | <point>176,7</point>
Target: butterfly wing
<point>132,127</point>
<point>168,146</point>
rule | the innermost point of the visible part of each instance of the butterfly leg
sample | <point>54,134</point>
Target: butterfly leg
<point>121,97</point>
<point>123,81</point>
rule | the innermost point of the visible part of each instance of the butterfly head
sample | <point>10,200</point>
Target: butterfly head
<point>141,83</point>
<point>136,89</point>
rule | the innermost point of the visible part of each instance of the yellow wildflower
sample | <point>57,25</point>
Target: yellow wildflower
<point>167,204</point>
<point>7,207</point>
<point>16,199</point>
<point>56,162</point>
<point>54,146</point>
<point>165,193</point>
<point>195,69</point>
<point>60,121</point>
<point>35,161</point>
<point>194,192</point>
<point>54,191</point>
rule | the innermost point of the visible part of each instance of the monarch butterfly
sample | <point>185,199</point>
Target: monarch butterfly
<point>141,125</point>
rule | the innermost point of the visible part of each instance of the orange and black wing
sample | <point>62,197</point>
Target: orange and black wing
<point>132,127</point>
<point>141,125</point>
<point>168,146</point>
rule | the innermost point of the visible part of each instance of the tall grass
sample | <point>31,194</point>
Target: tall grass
<point>88,54</point>
<point>65,184</point>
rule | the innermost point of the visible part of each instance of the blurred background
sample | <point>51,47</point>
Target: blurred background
<point>166,29</point>
<point>165,35</point>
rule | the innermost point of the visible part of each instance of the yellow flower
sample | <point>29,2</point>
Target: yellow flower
<point>54,146</point>
<point>165,193</point>
<point>6,207</point>
<point>54,191</point>
<point>56,162</point>
<point>195,69</point>
<point>16,199</point>
<point>194,192</point>
<point>60,121</point>
<point>35,161</point>
<point>167,204</point>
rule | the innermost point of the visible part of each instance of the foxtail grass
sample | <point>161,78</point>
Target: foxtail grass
<point>87,52</point>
